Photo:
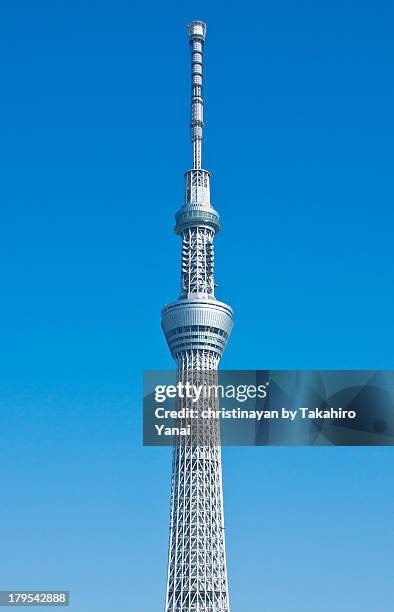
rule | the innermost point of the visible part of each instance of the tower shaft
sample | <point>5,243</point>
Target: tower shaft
<point>197,327</point>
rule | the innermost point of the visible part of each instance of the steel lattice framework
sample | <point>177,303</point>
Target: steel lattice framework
<point>197,327</point>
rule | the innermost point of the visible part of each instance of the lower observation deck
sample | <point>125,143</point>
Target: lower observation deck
<point>197,323</point>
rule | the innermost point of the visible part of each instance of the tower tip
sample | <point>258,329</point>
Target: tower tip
<point>197,29</point>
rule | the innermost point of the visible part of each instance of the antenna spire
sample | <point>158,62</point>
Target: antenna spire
<point>197,30</point>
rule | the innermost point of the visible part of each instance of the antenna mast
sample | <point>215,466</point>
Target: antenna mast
<point>197,30</point>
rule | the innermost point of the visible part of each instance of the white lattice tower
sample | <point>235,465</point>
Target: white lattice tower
<point>197,327</point>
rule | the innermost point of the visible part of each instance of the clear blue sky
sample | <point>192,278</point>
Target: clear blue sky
<point>94,113</point>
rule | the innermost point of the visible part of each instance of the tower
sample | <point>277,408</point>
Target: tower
<point>197,327</point>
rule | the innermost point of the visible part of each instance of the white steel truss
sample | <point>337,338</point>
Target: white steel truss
<point>197,577</point>
<point>197,261</point>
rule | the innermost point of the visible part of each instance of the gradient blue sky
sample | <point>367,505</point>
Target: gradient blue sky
<point>94,116</point>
